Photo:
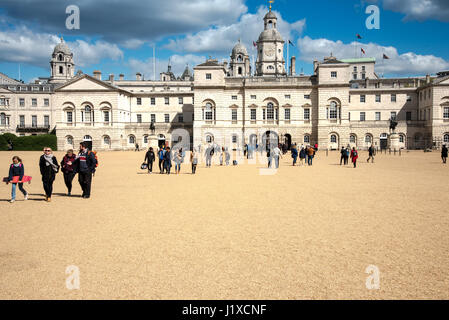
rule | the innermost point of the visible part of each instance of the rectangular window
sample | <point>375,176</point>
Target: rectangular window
<point>139,101</point>
<point>253,114</point>
<point>234,115</point>
<point>263,114</point>
<point>354,76</point>
<point>307,114</point>
<point>139,118</point>
<point>34,102</point>
<point>287,96</point>
<point>408,116</point>
<point>208,115</point>
<point>253,97</point>
<point>378,99</point>
<point>355,69</point>
<point>153,117</point>
<point>307,96</point>
<point>208,76</point>
<point>22,121</point>
<point>362,116</point>
<point>181,118</point>
<point>22,102</point>
<point>363,68</point>
<point>69,116</point>
<point>287,114</point>
<point>34,121</point>
<point>181,100</point>
<point>446,113</point>
<point>333,74</point>
<point>46,102</point>
<point>106,116</point>
<point>393,97</point>
<point>234,139</point>
<point>363,76</point>
<point>377,116</point>
<point>393,115</point>
<point>153,101</point>
<point>167,118</point>
<point>409,98</point>
<point>362,98</point>
<point>46,121</point>
<point>349,116</point>
<point>234,97</point>
<point>167,100</point>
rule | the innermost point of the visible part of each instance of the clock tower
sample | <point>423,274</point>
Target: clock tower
<point>270,49</point>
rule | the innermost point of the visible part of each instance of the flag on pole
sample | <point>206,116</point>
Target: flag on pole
<point>254,44</point>
<point>363,51</point>
<point>289,42</point>
<point>385,56</point>
<point>358,36</point>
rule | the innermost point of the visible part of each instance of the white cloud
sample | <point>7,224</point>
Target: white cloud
<point>178,63</point>
<point>222,38</point>
<point>408,63</point>
<point>24,46</point>
<point>420,9</point>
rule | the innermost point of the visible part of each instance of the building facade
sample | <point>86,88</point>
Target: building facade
<point>342,102</point>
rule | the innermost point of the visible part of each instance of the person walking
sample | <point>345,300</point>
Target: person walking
<point>160,156</point>
<point>222,155</point>
<point>342,155</point>
<point>16,170</point>
<point>68,170</point>
<point>348,152</point>
<point>149,159</point>
<point>137,147</point>
<point>276,155</point>
<point>178,160</point>
<point>227,156</point>
<point>302,155</point>
<point>354,156</point>
<point>371,153</point>
<point>209,154</point>
<point>310,155</point>
<point>294,152</point>
<point>194,160</point>
<point>444,153</point>
<point>49,167</point>
<point>167,160</point>
<point>85,166</point>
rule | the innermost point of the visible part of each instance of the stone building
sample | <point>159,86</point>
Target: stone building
<point>342,102</point>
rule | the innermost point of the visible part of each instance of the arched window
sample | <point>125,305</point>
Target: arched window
<point>270,111</point>
<point>401,138</point>
<point>106,140</point>
<point>87,138</point>
<point>209,112</point>
<point>239,58</point>
<point>209,138</point>
<point>368,138</point>
<point>131,139</point>
<point>88,114</point>
<point>446,138</point>
<point>333,138</point>
<point>240,70</point>
<point>69,140</point>
<point>384,136</point>
<point>306,138</point>
<point>145,139</point>
<point>352,138</point>
<point>60,57</point>
<point>61,70</point>
<point>333,110</point>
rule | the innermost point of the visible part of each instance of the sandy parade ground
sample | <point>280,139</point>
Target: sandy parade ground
<point>232,232</point>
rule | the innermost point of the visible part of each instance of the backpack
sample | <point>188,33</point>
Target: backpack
<point>96,157</point>
<point>355,154</point>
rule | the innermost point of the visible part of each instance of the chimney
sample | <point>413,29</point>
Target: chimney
<point>315,66</point>
<point>97,74</point>
<point>138,76</point>
<point>111,78</point>
<point>121,77</point>
<point>293,66</point>
<point>428,79</point>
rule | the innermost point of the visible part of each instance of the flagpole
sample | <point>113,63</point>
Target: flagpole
<point>154,62</point>
<point>288,57</point>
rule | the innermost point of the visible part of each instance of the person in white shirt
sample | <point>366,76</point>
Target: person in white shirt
<point>276,155</point>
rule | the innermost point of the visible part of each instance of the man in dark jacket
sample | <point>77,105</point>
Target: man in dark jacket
<point>149,159</point>
<point>85,164</point>
<point>444,153</point>
<point>342,155</point>
<point>371,153</point>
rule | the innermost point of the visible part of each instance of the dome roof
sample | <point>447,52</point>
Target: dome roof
<point>270,35</point>
<point>239,49</point>
<point>270,15</point>
<point>62,47</point>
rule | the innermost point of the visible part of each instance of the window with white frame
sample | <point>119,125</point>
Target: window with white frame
<point>287,114</point>
<point>306,114</point>
<point>46,102</point>
<point>46,121</point>
<point>153,117</point>
<point>234,115</point>
<point>362,116</point>
<point>287,96</point>
<point>401,138</point>
<point>306,138</point>
<point>153,101</point>
<point>131,140</point>
<point>352,138</point>
<point>208,76</point>
<point>378,98</point>
<point>209,138</point>
<point>446,113</point>
<point>106,140</point>
<point>139,118</point>
<point>307,96</point>
<point>69,140</point>
<point>22,121</point>
<point>362,98</point>
<point>368,138</point>
<point>270,111</point>
<point>34,102</point>
<point>333,74</point>
<point>167,100</point>
<point>234,97</point>
<point>253,97</point>
<point>393,97</point>
<point>333,112</point>
<point>253,114</point>
<point>34,121</point>
<point>181,100</point>
<point>145,139</point>
<point>333,138</point>
<point>69,116</point>
<point>167,118</point>
<point>234,138</point>
<point>208,112</point>
<point>87,114</point>
<point>139,101</point>
<point>446,138</point>
<point>377,116</point>
<point>106,116</point>
<point>22,102</point>
<point>393,115</point>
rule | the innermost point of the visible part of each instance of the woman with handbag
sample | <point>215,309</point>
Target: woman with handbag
<point>49,167</point>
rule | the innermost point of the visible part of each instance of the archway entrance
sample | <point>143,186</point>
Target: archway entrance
<point>383,141</point>
<point>288,141</point>
<point>270,139</point>
<point>88,141</point>
<point>161,141</point>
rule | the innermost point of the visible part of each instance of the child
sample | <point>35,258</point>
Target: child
<point>16,169</point>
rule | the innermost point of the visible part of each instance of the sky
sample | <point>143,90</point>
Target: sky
<point>117,36</point>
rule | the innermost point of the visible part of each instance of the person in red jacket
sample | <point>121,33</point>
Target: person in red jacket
<point>354,156</point>
<point>68,170</point>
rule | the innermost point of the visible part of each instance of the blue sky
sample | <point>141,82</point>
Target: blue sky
<point>118,36</point>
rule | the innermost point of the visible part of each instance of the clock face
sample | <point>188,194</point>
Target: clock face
<point>270,52</point>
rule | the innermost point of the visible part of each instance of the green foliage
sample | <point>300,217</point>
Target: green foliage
<point>28,143</point>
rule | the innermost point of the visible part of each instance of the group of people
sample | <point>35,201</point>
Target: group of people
<point>84,164</point>
<point>305,154</point>
<point>165,156</point>
<point>348,153</point>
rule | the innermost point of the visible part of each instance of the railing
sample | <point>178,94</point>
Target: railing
<point>33,128</point>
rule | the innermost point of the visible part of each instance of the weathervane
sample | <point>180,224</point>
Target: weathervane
<point>270,1</point>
